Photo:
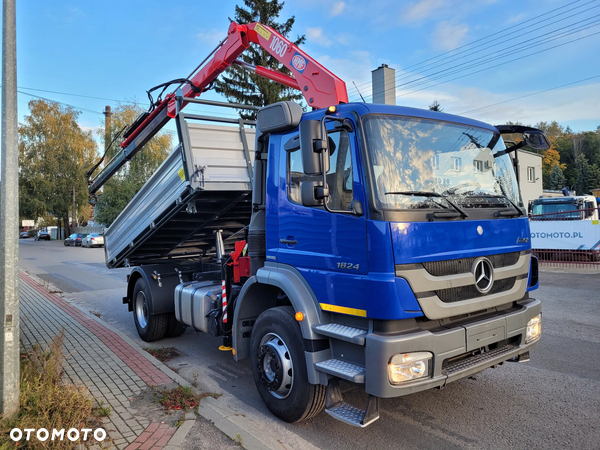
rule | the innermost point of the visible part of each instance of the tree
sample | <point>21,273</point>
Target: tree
<point>241,86</point>
<point>588,175</point>
<point>435,106</point>
<point>53,154</point>
<point>550,160</point>
<point>121,188</point>
<point>557,179</point>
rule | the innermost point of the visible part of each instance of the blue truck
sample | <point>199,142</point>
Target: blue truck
<point>377,245</point>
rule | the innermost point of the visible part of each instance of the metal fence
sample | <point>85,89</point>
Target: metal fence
<point>87,230</point>
<point>585,259</point>
<point>568,214</point>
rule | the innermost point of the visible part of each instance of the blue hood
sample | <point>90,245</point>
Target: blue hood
<point>433,241</point>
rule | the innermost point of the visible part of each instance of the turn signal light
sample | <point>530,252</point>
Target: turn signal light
<point>299,316</point>
<point>332,109</point>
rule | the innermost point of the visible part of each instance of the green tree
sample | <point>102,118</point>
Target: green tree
<point>239,85</point>
<point>557,179</point>
<point>121,188</point>
<point>435,106</point>
<point>53,154</point>
<point>588,175</point>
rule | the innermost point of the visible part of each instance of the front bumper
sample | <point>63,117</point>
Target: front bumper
<point>504,335</point>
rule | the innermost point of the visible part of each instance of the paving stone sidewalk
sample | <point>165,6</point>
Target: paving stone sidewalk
<point>112,370</point>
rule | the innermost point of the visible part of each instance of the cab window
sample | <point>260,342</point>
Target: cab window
<point>339,175</point>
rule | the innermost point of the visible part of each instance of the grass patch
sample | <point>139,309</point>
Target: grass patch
<point>164,354</point>
<point>182,397</point>
<point>47,401</point>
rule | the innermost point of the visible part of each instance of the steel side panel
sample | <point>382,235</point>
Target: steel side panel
<point>152,200</point>
<point>218,150</point>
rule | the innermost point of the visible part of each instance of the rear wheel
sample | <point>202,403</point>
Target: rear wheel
<point>150,327</point>
<point>279,367</point>
<point>175,327</point>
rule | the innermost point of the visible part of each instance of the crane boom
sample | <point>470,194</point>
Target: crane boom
<point>319,86</point>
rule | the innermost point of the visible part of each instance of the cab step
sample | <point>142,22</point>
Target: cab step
<point>342,369</point>
<point>342,332</point>
<point>337,408</point>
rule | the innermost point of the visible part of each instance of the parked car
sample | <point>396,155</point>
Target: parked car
<point>42,235</point>
<point>75,239</point>
<point>23,234</point>
<point>93,240</point>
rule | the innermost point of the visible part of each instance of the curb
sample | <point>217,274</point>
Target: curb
<point>232,424</point>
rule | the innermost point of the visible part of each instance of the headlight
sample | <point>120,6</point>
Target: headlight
<point>409,366</point>
<point>534,329</point>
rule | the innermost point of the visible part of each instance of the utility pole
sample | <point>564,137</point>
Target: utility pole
<point>9,218</point>
<point>74,209</point>
<point>107,113</point>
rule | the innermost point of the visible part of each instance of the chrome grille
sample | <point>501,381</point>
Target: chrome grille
<point>463,265</point>
<point>461,293</point>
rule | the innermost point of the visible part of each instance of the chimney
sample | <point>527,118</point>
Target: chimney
<point>384,85</point>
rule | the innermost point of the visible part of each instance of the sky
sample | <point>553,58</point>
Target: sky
<point>492,60</point>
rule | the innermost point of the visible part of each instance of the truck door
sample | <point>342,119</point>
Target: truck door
<point>329,249</point>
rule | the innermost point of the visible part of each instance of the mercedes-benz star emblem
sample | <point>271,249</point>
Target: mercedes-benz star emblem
<point>484,275</point>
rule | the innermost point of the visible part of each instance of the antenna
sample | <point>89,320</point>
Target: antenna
<point>363,99</point>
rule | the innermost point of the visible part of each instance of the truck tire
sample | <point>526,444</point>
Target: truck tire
<point>149,327</point>
<point>174,327</point>
<point>279,367</point>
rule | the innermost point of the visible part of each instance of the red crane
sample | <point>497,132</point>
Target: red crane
<point>319,86</point>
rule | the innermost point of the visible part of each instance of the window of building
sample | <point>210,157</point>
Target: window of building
<point>435,162</point>
<point>531,174</point>
<point>477,166</point>
<point>456,164</point>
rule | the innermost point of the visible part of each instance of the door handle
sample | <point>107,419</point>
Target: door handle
<point>288,241</point>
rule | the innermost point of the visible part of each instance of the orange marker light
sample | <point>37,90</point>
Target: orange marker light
<point>332,109</point>
<point>299,316</point>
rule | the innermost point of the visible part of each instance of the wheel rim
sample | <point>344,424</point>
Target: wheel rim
<point>141,309</point>
<point>275,366</point>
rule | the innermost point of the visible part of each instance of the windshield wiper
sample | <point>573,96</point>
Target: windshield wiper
<point>436,215</point>
<point>515,212</point>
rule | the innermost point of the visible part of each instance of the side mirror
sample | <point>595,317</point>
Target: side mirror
<point>536,140</point>
<point>313,193</point>
<point>313,142</point>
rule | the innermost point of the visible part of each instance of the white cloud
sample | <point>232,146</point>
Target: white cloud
<point>448,37</point>
<point>212,37</point>
<point>422,9</point>
<point>315,35</point>
<point>517,18</point>
<point>338,8</point>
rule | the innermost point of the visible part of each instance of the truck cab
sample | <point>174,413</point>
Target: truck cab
<point>578,207</point>
<point>399,236</point>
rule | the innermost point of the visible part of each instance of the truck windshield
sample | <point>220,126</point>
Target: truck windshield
<point>556,210</point>
<point>422,155</point>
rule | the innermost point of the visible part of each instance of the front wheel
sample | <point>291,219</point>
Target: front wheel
<point>150,327</point>
<point>279,367</point>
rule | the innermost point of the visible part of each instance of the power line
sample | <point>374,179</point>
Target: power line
<point>485,38</point>
<point>500,64</point>
<point>493,66</point>
<point>529,95</point>
<point>520,46</point>
<point>60,103</point>
<point>527,46</point>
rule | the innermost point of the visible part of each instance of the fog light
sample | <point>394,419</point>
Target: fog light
<point>534,329</point>
<point>409,366</point>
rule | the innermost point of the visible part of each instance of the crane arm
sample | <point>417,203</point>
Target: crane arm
<point>319,86</point>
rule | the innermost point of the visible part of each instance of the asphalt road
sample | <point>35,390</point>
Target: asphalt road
<point>551,402</point>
